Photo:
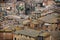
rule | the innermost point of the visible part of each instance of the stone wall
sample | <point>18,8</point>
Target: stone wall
<point>55,35</point>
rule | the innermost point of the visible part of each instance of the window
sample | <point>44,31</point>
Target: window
<point>5,0</point>
<point>1,1</point>
<point>15,39</point>
<point>40,37</point>
<point>57,1</point>
<point>19,0</point>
